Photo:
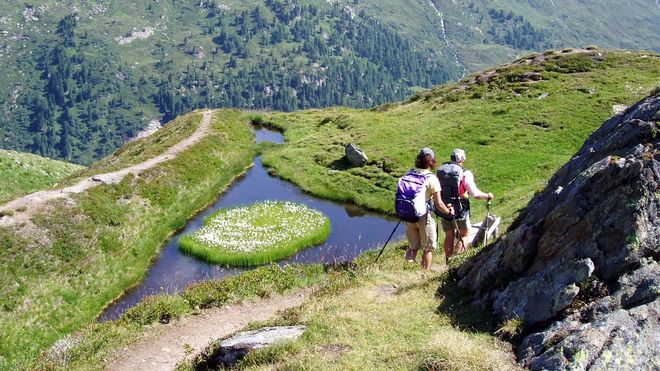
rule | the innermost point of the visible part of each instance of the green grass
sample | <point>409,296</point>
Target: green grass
<point>23,173</point>
<point>97,343</point>
<point>257,234</point>
<point>514,141</point>
<point>385,316</point>
<point>58,272</point>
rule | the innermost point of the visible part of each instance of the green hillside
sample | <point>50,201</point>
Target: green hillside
<point>484,33</point>
<point>22,173</point>
<point>518,124</point>
<point>59,271</point>
<point>81,77</point>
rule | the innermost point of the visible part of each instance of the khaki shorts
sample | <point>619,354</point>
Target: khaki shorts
<point>463,225</point>
<point>423,234</point>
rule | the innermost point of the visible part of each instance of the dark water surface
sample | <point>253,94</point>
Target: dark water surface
<point>354,231</point>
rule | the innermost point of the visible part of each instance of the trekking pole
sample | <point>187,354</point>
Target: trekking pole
<point>487,217</point>
<point>388,240</point>
<point>457,233</point>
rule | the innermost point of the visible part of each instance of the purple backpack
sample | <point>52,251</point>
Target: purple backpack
<point>410,204</point>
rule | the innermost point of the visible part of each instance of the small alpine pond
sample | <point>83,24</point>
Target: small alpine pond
<point>354,231</point>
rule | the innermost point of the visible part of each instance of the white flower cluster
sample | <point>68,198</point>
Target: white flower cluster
<point>259,226</point>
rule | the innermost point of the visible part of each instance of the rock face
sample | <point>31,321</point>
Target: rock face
<point>579,266</point>
<point>355,155</point>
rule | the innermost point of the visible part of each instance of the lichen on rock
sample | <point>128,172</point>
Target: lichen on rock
<point>579,265</point>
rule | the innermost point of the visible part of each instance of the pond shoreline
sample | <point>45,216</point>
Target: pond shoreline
<point>171,235</point>
<point>354,230</point>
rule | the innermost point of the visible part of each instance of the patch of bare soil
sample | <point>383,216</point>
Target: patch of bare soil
<point>334,351</point>
<point>33,202</point>
<point>163,346</point>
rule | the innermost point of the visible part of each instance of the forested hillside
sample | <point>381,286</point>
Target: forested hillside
<point>81,77</point>
<point>80,84</point>
<point>484,33</point>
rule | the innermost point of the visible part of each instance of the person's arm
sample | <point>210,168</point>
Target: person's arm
<point>437,201</point>
<point>472,189</point>
<point>436,191</point>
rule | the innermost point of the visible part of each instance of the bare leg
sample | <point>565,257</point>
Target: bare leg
<point>449,244</point>
<point>462,246</point>
<point>411,255</point>
<point>426,260</point>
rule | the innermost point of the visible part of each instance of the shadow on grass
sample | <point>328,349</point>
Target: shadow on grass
<point>458,305</point>
<point>341,164</point>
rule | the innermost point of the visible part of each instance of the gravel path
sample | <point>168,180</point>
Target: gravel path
<point>34,201</point>
<point>165,345</point>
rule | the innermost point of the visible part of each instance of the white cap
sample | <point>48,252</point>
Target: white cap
<point>458,155</point>
<point>426,151</point>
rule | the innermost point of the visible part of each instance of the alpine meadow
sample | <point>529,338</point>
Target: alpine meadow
<point>89,199</point>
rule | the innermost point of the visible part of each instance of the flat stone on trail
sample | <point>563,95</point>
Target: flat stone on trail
<point>236,347</point>
<point>266,336</point>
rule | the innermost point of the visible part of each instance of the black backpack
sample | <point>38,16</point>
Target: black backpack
<point>450,175</point>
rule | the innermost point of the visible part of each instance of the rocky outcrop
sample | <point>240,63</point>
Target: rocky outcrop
<point>135,35</point>
<point>527,298</point>
<point>355,155</point>
<point>579,266</point>
<point>617,331</point>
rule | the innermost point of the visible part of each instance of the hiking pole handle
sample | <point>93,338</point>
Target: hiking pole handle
<point>388,240</point>
<point>488,203</point>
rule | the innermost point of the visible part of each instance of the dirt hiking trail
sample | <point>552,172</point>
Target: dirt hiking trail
<point>33,201</point>
<point>163,346</point>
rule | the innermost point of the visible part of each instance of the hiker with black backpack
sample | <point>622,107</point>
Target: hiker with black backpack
<point>415,191</point>
<point>457,186</point>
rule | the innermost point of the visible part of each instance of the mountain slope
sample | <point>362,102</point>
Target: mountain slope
<point>82,77</point>
<point>518,123</point>
<point>484,33</point>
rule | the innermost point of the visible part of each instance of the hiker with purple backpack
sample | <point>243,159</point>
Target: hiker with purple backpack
<point>415,192</point>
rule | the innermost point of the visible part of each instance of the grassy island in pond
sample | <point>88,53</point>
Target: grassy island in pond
<point>257,234</point>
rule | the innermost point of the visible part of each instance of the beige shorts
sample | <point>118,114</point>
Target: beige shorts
<point>423,234</point>
<point>463,225</point>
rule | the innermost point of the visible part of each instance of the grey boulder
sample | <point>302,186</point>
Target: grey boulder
<point>355,155</point>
